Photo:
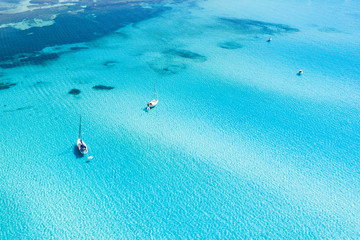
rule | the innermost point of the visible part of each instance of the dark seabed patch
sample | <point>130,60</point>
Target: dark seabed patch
<point>44,1</point>
<point>18,109</point>
<point>92,22</point>
<point>102,87</point>
<point>122,35</point>
<point>166,69</point>
<point>109,63</point>
<point>11,1</point>
<point>186,54</point>
<point>4,86</point>
<point>35,59</point>
<point>74,91</point>
<point>40,59</point>
<point>23,108</point>
<point>329,30</point>
<point>41,83</point>
<point>78,48</point>
<point>248,26</point>
<point>230,45</point>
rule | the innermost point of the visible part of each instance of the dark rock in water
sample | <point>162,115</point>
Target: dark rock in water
<point>248,26</point>
<point>74,91</point>
<point>40,83</point>
<point>23,108</point>
<point>230,45</point>
<point>18,109</point>
<point>109,63</point>
<point>122,35</point>
<point>4,86</point>
<point>39,59</point>
<point>186,54</point>
<point>44,1</point>
<point>102,87</point>
<point>8,65</point>
<point>167,69</point>
<point>78,48</point>
<point>329,30</point>
<point>35,59</point>
<point>11,1</point>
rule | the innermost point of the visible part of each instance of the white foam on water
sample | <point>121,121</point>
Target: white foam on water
<point>27,24</point>
<point>26,5</point>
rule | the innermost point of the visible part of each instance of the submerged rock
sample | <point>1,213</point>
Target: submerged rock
<point>329,30</point>
<point>74,91</point>
<point>122,35</point>
<point>23,108</point>
<point>4,86</point>
<point>40,58</point>
<point>102,87</point>
<point>186,54</point>
<point>17,109</point>
<point>35,59</point>
<point>230,45</point>
<point>109,63</point>
<point>248,26</point>
<point>78,48</point>
<point>165,68</point>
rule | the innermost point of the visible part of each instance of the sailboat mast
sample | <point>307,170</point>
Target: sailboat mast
<point>155,94</point>
<point>80,128</point>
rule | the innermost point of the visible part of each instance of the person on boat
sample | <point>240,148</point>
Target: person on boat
<point>82,145</point>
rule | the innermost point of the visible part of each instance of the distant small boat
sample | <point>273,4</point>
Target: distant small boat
<point>80,143</point>
<point>153,102</point>
<point>269,39</point>
<point>300,72</point>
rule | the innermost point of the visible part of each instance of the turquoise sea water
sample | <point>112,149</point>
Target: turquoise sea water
<point>239,145</point>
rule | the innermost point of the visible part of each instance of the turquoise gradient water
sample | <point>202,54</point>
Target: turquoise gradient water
<point>239,145</point>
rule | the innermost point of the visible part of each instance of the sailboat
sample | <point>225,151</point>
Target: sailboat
<point>153,102</point>
<point>80,143</point>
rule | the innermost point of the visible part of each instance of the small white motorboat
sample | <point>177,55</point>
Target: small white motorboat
<point>300,72</point>
<point>80,143</point>
<point>153,102</point>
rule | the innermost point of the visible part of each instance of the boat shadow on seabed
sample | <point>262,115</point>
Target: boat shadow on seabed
<point>77,153</point>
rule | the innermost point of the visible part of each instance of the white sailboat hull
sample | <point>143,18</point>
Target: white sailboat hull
<point>152,103</point>
<point>81,144</point>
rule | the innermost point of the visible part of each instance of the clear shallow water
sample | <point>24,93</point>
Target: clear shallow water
<point>239,146</point>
